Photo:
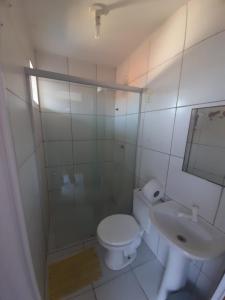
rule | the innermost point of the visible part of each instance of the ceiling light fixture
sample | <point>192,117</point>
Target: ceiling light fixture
<point>98,10</point>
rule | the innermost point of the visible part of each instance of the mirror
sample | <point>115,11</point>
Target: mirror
<point>205,147</point>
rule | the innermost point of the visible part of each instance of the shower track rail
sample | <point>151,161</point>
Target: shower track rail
<point>80,80</point>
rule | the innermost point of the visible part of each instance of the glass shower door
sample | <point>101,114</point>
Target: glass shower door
<point>90,138</point>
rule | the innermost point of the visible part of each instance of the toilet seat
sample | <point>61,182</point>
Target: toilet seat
<point>118,230</point>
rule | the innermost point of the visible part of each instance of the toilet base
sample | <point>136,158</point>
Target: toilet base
<point>116,259</point>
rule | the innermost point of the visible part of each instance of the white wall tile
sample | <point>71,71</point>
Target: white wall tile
<point>105,150</point>
<point>122,72</point>
<point>139,60</point>
<point>56,126</point>
<point>58,153</point>
<point>181,127</point>
<point>85,152</point>
<point>168,40</point>
<point>83,99</point>
<point>14,55</point>
<point>188,190</point>
<point>120,128</point>
<point>119,153</point>
<point>84,127</point>
<point>140,129</point>
<point>106,102</point>
<point>130,155</point>
<point>154,165</point>
<point>54,96</point>
<point>120,103</point>
<point>131,128</point>
<point>82,69</point>
<point>20,121</point>
<point>203,72</point>
<point>162,85</point>
<point>220,217</point>
<point>51,62</point>
<point>133,100</point>
<point>158,129</point>
<point>106,74</point>
<point>205,18</point>
<point>105,127</point>
<point>138,165</point>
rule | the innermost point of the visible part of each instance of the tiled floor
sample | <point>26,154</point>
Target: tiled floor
<point>139,281</point>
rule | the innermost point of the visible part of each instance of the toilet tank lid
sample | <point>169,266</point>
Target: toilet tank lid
<point>118,230</point>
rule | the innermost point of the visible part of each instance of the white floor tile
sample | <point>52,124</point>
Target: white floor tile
<point>144,254</point>
<point>107,274</point>
<point>122,288</point>
<point>84,296</point>
<point>149,276</point>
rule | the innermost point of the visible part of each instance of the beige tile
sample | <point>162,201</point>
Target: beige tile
<point>51,62</point>
<point>82,69</point>
<point>162,85</point>
<point>203,72</point>
<point>139,61</point>
<point>106,74</point>
<point>168,39</point>
<point>205,18</point>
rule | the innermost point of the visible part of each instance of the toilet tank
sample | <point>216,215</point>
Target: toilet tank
<point>141,209</point>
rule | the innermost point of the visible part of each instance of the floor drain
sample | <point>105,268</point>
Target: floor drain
<point>181,238</point>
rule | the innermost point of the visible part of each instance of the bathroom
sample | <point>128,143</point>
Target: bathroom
<point>100,106</point>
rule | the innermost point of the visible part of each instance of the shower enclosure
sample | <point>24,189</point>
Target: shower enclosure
<point>90,135</point>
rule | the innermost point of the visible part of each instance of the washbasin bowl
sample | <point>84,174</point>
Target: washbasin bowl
<point>197,240</point>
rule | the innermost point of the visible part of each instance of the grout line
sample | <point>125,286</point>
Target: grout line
<point>198,104</point>
<point>178,94</point>
<point>205,39</point>
<point>138,283</point>
<point>177,54</point>
<point>17,96</point>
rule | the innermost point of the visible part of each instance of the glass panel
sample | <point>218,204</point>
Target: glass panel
<point>90,139</point>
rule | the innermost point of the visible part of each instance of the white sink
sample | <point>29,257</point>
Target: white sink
<point>187,239</point>
<point>197,240</point>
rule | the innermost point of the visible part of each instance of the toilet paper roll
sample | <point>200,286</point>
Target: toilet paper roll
<point>152,190</point>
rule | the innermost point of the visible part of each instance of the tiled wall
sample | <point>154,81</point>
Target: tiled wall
<point>181,66</point>
<point>15,52</point>
<point>126,130</point>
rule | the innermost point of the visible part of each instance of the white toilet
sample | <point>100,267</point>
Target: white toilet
<point>121,234</point>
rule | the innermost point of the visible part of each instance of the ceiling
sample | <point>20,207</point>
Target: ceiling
<point>66,27</point>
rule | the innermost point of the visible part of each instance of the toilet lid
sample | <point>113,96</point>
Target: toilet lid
<point>117,230</point>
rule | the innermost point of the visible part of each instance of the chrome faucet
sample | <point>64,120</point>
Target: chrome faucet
<point>193,216</point>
